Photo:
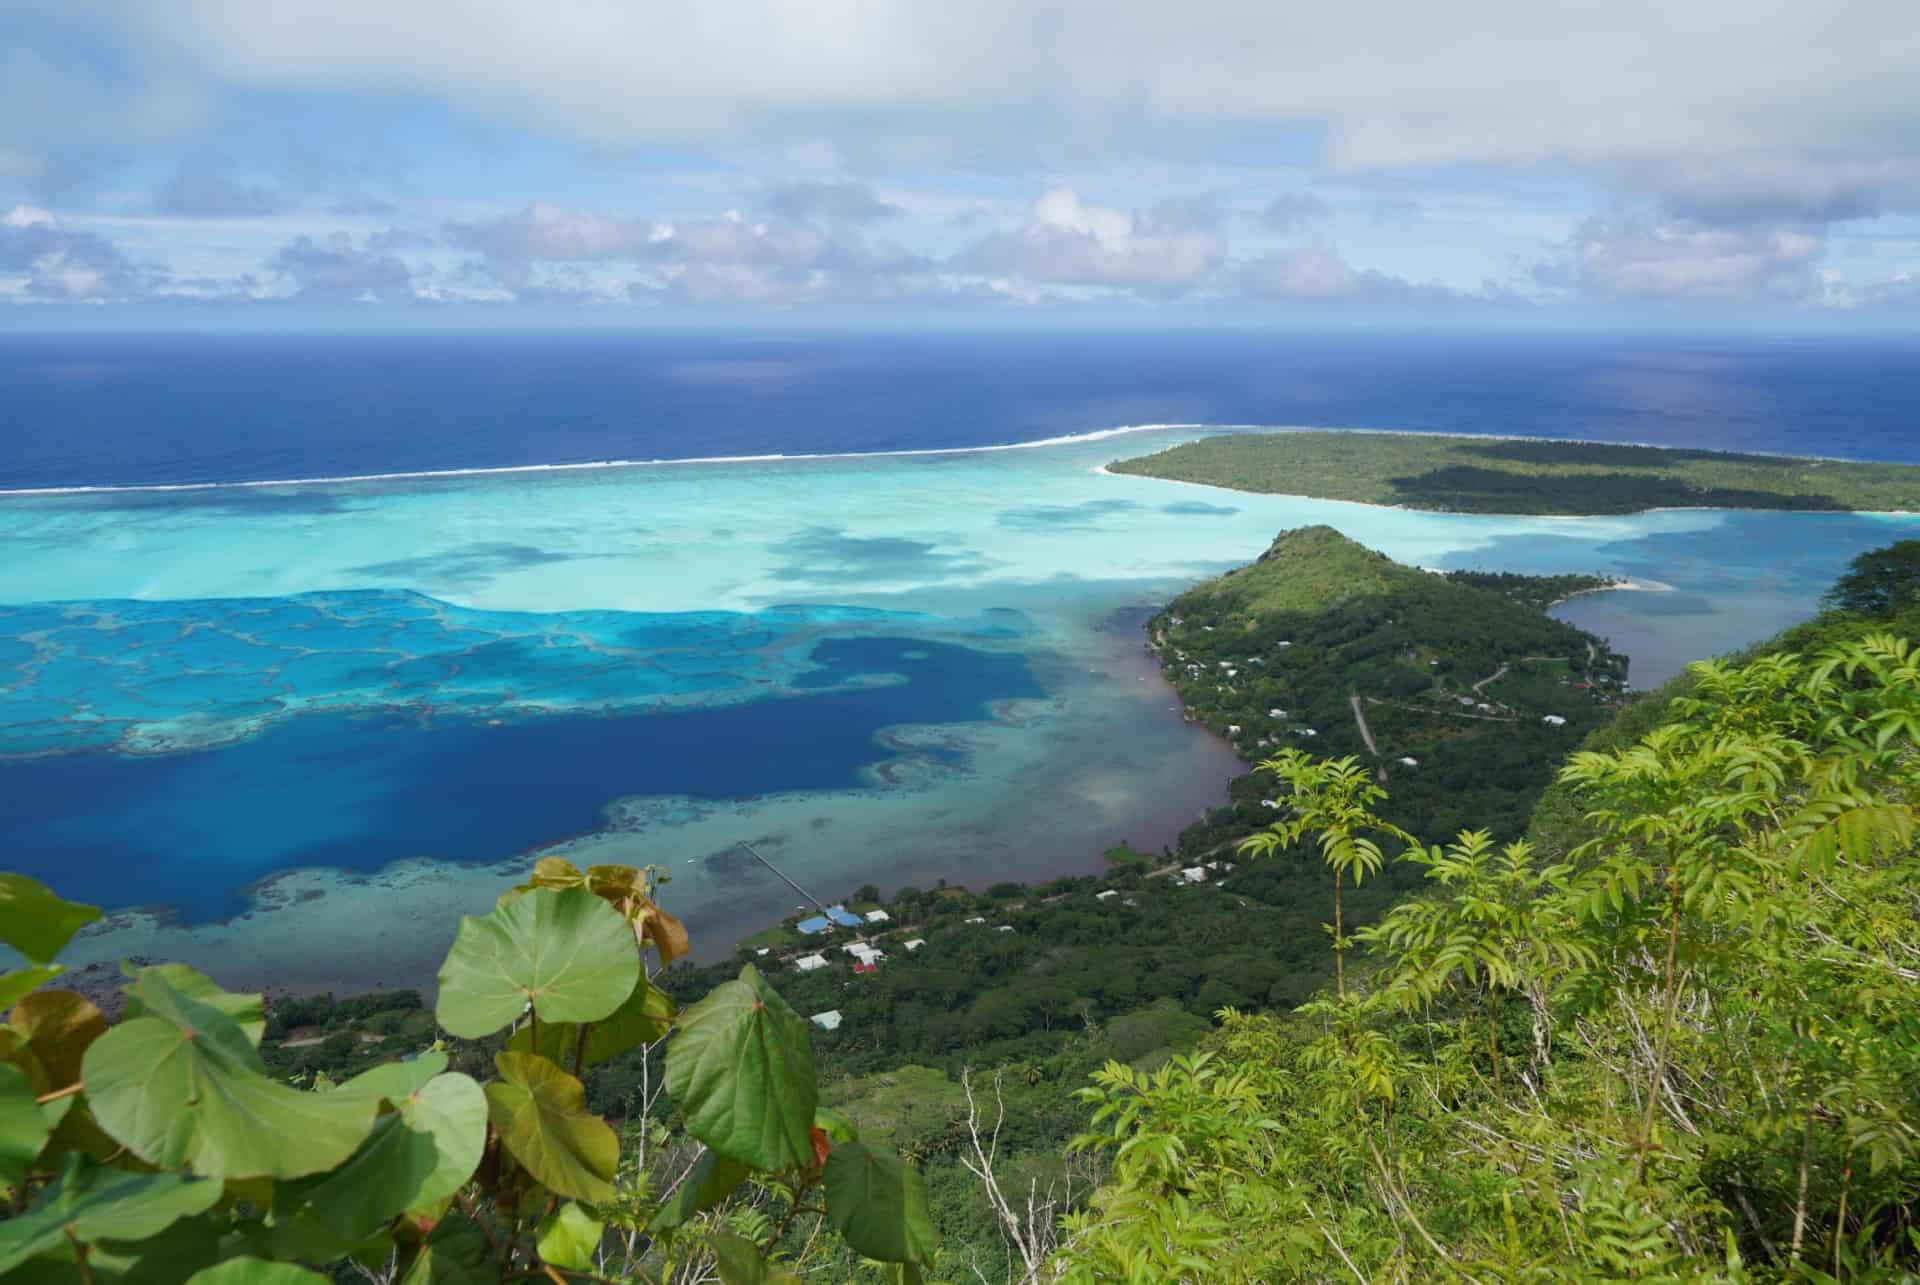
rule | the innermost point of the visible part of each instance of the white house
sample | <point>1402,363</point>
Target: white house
<point>1102,896</point>
<point>1276,713</point>
<point>1194,874</point>
<point>827,1021</point>
<point>1308,731</point>
<point>878,916</point>
<point>1554,720</point>
<point>866,954</point>
<point>1410,762</point>
<point>916,943</point>
<point>1233,729</point>
<point>975,919</point>
<point>807,963</point>
<point>1004,928</point>
<point>1270,803</point>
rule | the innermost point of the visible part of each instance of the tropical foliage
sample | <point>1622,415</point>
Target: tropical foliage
<point>1686,1050</point>
<point>159,1149</point>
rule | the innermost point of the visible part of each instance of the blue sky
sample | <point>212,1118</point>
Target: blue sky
<point>1496,162</point>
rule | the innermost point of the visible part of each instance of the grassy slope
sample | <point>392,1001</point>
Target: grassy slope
<point>1476,475</point>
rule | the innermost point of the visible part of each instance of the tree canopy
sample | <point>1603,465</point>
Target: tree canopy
<point>1880,581</point>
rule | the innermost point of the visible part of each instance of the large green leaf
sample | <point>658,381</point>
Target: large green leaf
<point>879,1204</point>
<point>94,1202</point>
<point>450,1112</point>
<point>569,1237</point>
<point>413,1160</point>
<point>23,1125</point>
<point>183,1087</point>
<point>35,922</point>
<point>712,1180</point>
<point>256,1271</point>
<point>540,1113</point>
<point>58,1026</point>
<point>568,953</point>
<point>248,1010</point>
<point>645,1016</point>
<point>741,1071</point>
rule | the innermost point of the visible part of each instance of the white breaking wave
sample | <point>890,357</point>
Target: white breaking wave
<point>1071,439</point>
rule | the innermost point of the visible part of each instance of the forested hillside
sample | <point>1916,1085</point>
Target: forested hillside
<point>1470,695</point>
<point>1675,1041</point>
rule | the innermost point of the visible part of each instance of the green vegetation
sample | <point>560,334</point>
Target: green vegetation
<point>1686,1052</point>
<point>1538,592</point>
<point>161,1150</point>
<point>1880,581</point>
<point>1482,690</point>
<point>1673,1034</point>
<point>1480,475</point>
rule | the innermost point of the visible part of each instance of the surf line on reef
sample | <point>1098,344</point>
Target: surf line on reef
<point>502,470</point>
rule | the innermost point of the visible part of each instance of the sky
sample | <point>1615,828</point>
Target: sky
<point>1679,163</point>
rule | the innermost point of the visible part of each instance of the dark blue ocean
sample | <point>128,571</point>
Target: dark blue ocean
<point>133,409</point>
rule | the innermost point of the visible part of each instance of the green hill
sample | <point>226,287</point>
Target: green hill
<point>1479,688</point>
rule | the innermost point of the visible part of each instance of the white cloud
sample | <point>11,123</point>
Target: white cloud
<point>335,270</point>
<point>1649,259</point>
<point>44,259</point>
<point>1316,273</point>
<point>1068,241</point>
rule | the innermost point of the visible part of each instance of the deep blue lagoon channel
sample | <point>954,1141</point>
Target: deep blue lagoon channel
<point>193,830</point>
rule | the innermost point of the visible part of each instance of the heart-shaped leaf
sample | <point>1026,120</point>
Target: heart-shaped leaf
<point>568,953</point>
<point>741,1071</point>
<point>540,1113</point>
<point>98,1203</point>
<point>879,1204</point>
<point>58,1026</point>
<point>35,922</point>
<point>182,1086</point>
<point>23,1126</point>
<point>569,1237</point>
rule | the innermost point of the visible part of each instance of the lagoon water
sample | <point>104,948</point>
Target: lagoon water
<point>288,731</point>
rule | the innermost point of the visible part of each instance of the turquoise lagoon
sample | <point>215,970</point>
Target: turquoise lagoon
<point>287,732</point>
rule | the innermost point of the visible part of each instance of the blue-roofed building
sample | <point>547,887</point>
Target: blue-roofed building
<point>834,915</point>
